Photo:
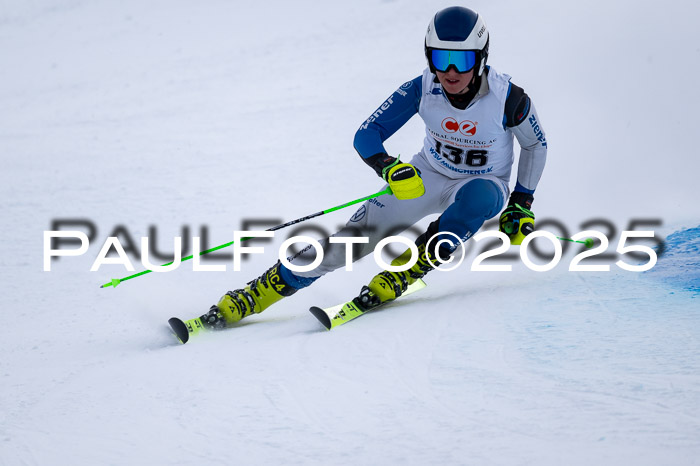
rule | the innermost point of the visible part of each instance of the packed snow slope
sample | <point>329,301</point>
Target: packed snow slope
<point>170,114</point>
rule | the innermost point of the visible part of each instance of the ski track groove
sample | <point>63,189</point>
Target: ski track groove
<point>404,344</point>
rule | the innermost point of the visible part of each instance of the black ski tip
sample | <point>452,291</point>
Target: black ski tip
<point>180,329</point>
<point>321,315</point>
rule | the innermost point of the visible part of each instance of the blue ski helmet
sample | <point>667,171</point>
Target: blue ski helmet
<point>457,37</point>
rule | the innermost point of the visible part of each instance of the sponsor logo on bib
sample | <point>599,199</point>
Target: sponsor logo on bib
<point>466,127</point>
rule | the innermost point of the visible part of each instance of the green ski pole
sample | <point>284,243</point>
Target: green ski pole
<point>588,242</point>
<point>116,281</point>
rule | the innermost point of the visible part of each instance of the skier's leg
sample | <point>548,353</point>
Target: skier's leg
<point>375,219</point>
<point>472,203</point>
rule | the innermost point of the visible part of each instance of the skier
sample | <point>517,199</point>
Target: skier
<point>471,113</point>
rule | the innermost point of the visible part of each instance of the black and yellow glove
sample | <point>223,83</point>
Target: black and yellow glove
<point>518,221</point>
<point>404,180</point>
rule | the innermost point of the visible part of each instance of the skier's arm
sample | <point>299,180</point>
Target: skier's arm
<point>517,220</point>
<point>385,121</point>
<point>520,116</point>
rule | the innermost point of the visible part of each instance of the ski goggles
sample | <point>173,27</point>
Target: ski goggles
<point>462,60</point>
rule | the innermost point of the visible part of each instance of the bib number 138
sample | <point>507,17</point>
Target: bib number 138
<point>473,158</point>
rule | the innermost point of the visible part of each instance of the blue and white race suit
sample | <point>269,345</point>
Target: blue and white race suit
<point>460,147</point>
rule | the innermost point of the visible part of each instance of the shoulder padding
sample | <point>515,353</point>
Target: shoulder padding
<point>517,106</point>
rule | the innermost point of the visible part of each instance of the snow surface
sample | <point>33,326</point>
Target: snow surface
<point>169,114</point>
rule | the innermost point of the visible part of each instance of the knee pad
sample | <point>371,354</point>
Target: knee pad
<point>479,199</point>
<point>475,202</point>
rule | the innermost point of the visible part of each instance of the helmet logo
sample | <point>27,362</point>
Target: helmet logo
<point>481,31</point>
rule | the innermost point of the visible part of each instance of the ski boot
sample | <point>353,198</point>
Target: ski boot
<point>387,286</point>
<point>257,296</point>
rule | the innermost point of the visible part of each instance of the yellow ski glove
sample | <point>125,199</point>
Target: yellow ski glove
<point>404,180</point>
<point>518,221</point>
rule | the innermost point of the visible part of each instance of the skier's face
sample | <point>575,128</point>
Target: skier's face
<point>454,82</point>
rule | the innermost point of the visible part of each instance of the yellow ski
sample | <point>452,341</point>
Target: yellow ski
<point>337,315</point>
